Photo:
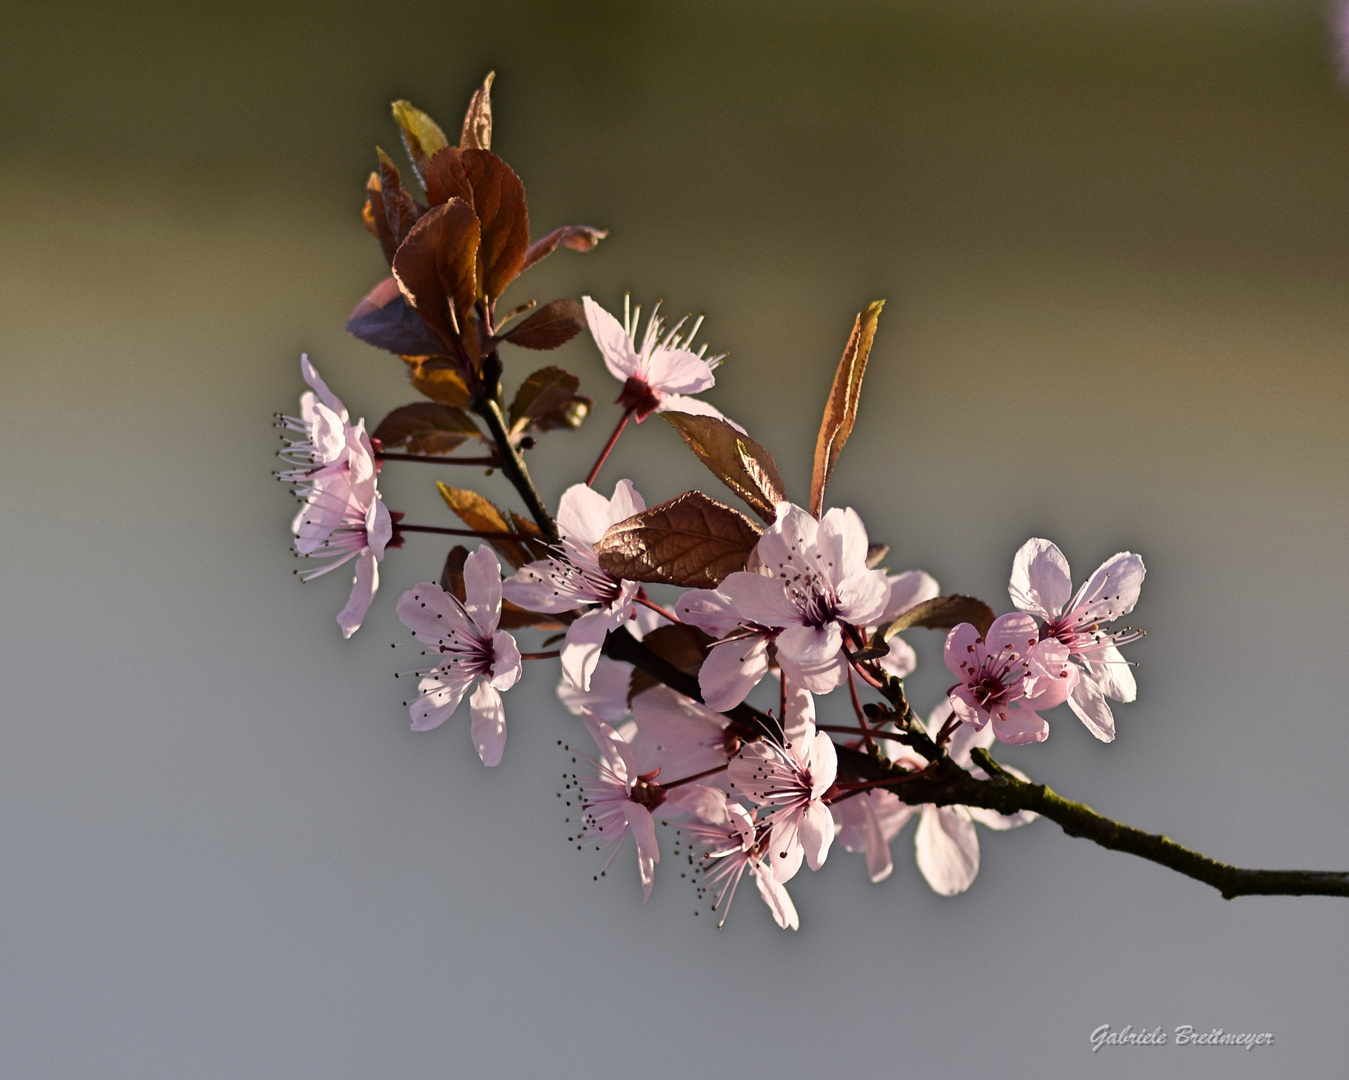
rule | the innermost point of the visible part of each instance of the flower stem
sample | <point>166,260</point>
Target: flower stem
<point>618,430</point>
<point>489,460</point>
<point>481,534</point>
<point>696,776</point>
<point>552,654</point>
<point>646,601</point>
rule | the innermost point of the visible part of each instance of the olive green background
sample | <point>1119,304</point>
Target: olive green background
<point>1114,241</point>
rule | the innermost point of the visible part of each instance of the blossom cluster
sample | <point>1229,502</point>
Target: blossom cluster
<point>792,607</point>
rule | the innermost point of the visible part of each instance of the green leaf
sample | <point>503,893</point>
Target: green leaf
<point>422,136</point>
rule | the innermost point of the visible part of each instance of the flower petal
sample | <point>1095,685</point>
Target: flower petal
<point>441,692</point>
<point>691,406</point>
<point>506,666</point>
<point>678,371</point>
<point>947,848</point>
<point>581,650</point>
<point>816,833</point>
<point>1041,581</point>
<point>1087,701</point>
<point>648,853</point>
<point>488,725</point>
<point>583,514</point>
<point>363,586</point>
<point>1115,586</point>
<point>1017,725</point>
<point>1113,674</point>
<point>1016,629</point>
<point>758,599</point>
<point>907,590</point>
<point>731,670</point>
<point>614,344</point>
<point>482,588</point>
<point>615,753</point>
<point>311,376</point>
<point>774,894</point>
<point>810,645</point>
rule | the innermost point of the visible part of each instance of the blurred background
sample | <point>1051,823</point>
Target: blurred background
<point>1114,241</point>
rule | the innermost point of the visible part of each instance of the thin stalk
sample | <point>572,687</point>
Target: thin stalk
<point>437,459</point>
<point>481,534</point>
<point>599,462</point>
<point>696,776</point>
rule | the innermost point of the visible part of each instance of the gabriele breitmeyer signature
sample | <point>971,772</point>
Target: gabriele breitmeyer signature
<point>1184,1035</point>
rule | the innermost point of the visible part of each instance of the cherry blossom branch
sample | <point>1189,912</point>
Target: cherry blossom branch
<point>944,783</point>
<point>1004,793</point>
<point>486,404</point>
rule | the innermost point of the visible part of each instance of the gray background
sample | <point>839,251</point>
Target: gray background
<point>1115,242</point>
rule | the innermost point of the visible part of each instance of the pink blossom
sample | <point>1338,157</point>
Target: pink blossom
<point>945,843</point>
<point>660,373</point>
<point>1007,677</point>
<point>469,648</point>
<point>611,681</point>
<point>324,426</point>
<point>1042,585</point>
<point>729,842</point>
<point>617,800</point>
<point>789,780</point>
<point>574,579</point>
<point>812,578</point>
<point>344,518</point>
<point>676,736</point>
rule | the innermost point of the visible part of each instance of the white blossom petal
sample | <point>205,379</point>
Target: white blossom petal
<point>488,725</point>
<point>947,848</point>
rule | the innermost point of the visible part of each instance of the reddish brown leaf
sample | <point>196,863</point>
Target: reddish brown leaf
<point>548,400</point>
<point>554,324</point>
<point>422,136</point>
<point>395,210</point>
<point>840,411</point>
<point>477,513</point>
<point>737,460</point>
<point>368,210</point>
<point>575,237</point>
<point>499,202</point>
<point>692,540</point>
<point>425,427</point>
<point>684,646</point>
<point>477,130</point>
<point>445,177</point>
<point>436,267</point>
<point>440,382</point>
<point>384,319</point>
<point>939,613</point>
